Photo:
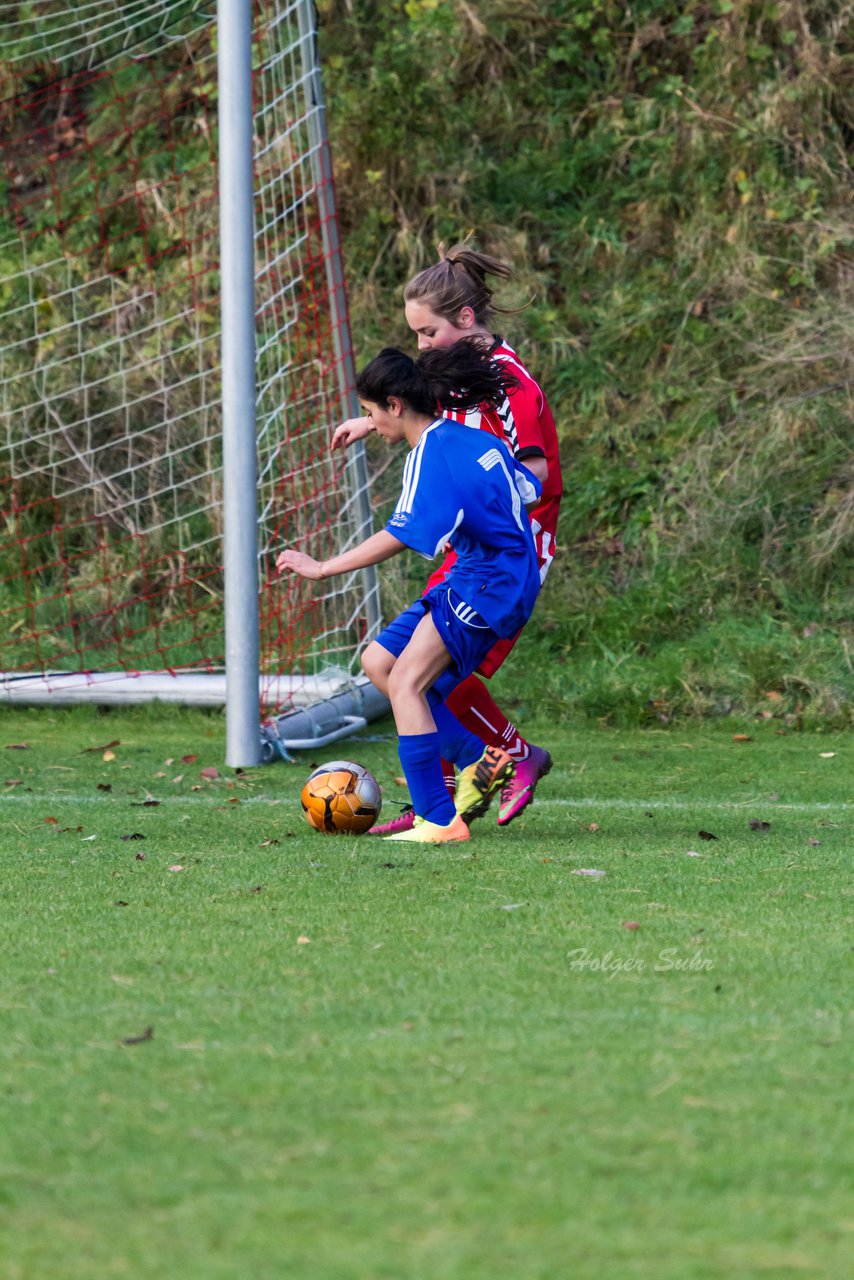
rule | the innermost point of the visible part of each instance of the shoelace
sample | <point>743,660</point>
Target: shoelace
<point>484,771</point>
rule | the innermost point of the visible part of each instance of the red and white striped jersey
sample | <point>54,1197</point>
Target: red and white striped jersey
<point>525,423</point>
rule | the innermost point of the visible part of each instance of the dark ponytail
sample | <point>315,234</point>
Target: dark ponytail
<point>459,377</point>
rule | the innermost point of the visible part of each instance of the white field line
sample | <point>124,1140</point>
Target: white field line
<point>724,806</point>
<point>583,802</point>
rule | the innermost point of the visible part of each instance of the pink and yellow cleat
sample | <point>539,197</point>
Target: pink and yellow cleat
<point>404,821</point>
<point>424,832</point>
<point>519,791</point>
<point>479,782</point>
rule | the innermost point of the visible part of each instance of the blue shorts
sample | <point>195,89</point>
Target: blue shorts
<point>464,633</point>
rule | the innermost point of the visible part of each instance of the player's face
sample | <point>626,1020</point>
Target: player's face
<point>433,330</point>
<point>387,422</point>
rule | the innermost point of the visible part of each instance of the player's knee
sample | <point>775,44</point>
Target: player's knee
<point>403,681</point>
<point>377,662</point>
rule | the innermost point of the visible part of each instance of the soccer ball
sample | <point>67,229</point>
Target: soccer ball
<point>341,798</point>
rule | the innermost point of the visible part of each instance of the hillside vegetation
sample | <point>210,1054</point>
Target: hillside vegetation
<point>672,183</point>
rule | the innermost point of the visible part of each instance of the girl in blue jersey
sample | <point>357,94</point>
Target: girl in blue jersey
<point>463,487</point>
<point>450,300</point>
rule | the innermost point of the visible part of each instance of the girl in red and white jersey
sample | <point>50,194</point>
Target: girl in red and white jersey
<point>444,303</point>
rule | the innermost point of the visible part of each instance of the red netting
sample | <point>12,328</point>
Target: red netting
<point>111,466</point>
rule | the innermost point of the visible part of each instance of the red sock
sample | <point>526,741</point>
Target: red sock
<point>473,704</point>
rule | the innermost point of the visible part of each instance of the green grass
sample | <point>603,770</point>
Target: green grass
<point>367,1061</point>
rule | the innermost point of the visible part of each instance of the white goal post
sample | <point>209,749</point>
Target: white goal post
<point>174,364</point>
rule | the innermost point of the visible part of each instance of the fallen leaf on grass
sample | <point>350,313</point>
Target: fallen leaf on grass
<point>741,737</point>
<point>176,867</point>
<point>106,746</point>
<point>52,821</point>
<point>811,840</point>
<point>265,844</point>
<point>827,755</point>
<point>87,837</point>
<point>587,871</point>
<point>13,782</point>
<point>144,804</point>
<point>302,940</point>
<point>210,773</point>
<point>105,786</point>
<point>17,746</point>
<point>108,756</point>
<point>148,1034</point>
<point>120,902</point>
<point>511,906</point>
<point>140,857</point>
<point>630,924</point>
<point>706,835</point>
<point>593,826</point>
<point>399,782</point>
<point>133,835</point>
<point>189,759</point>
<point>756,824</point>
<point>692,853</point>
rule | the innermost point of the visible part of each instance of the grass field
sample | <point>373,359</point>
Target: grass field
<point>231,1046</point>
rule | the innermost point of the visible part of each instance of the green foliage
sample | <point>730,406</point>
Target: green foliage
<point>671,184</point>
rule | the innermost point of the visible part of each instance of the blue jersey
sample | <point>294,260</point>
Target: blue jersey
<point>463,486</point>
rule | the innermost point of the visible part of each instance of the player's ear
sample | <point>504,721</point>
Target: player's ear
<point>394,406</point>
<point>466,319</point>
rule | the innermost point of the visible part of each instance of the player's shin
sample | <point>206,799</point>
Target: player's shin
<point>419,756</point>
<point>458,744</point>
<point>473,705</point>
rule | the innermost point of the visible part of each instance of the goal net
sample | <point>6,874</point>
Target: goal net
<point>111,469</point>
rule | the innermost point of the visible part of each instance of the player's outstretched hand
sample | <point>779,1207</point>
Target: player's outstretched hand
<point>349,432</point>
<point>298,562</point>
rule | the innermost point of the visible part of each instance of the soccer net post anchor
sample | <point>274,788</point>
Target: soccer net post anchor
<point>237,253</point>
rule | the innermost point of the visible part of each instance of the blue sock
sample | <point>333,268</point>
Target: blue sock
<point>421,759</point>
<point>458,744</point>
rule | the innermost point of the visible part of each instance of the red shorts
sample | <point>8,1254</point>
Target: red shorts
<point>545,543</point>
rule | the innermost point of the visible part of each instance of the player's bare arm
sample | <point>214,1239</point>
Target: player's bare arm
<point>349,432</point>
<point>381,546</point>
<point>538,466</point>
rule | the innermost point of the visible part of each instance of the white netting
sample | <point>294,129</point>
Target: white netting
<point>110,455</point>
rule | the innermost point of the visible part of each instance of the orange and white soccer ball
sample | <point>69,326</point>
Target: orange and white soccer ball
<point>341,798</point>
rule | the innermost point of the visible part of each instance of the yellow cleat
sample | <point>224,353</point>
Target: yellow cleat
<point>424,832</point>
<point>479,782</point>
